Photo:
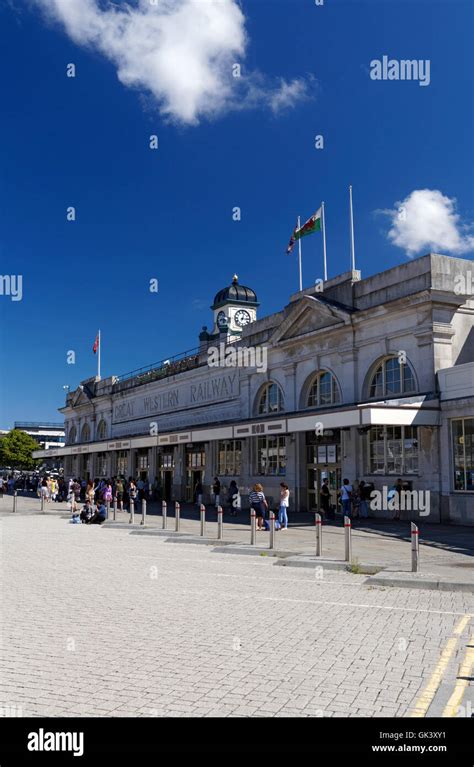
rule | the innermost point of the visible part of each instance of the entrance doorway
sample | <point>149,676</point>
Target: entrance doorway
<point>316,476</point>
<point>166,485</point>
<point>192,477</point>
<point>195,467</point>
<point>323,461</point>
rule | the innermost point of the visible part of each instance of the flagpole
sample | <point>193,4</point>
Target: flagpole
<point>299,256</point>
<point>98,359</point>
<point>352,230</point>
<point>324,243</point>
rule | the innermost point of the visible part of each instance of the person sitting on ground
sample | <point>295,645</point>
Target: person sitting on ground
<point>100,515</point>
<point>266,524</point>
<point>87,513</point>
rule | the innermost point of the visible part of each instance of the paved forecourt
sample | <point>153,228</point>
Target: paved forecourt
<point>99,622</point>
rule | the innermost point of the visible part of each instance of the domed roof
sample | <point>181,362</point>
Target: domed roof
<point>235,294</point>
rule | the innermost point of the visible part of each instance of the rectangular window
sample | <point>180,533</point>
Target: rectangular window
<point>229,458</point>
<point>463,454</point>
<point>101,464</point>
<point>196,459</point>
<point>271,456</point>
<point>166,459</point>
<point>122,462</point>
<point>393,450</point>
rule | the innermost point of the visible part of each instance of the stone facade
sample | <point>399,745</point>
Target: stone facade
<point>354,384</point>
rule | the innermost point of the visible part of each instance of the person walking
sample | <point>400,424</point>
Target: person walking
<point>346,498</point>
<point>284,503</point>
<point>258,502</point>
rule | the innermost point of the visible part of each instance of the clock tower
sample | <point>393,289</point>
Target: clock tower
<point>234,308</point>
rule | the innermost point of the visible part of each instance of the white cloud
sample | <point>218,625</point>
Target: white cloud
<point>427,220</point>
<point>288,94</point>
<point>179,51</point>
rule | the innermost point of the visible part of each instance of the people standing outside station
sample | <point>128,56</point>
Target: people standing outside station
<point>90,492</point>
<point>346,498</point>
<point>284,503</point>
<point>108,492</point>
<point>216,489</point>
<point>198,492</point>
<point>119,488</point>
<point>395,493</point>
<point>364,494</point>
<point>258,502</point>
<point>76,489</point>
<point>44,490</point>
<point>233,498</point>
<point>325,497</point>
<point>132,492</point>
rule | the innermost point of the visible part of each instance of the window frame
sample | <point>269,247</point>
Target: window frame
<point>336,398</point>
<point>264,399</point>
<point>406,454</point>
<point>462,420</point>
<point>281,454</point>
<point>233,448</point>
<point>381,369</point>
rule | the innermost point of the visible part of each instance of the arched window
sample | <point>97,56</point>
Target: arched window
<point>72,434</point>
<point>323,390</point>
<point>85,433</point>
<point>392,377</point>
<point>102,430</point>
<point>271,400</point>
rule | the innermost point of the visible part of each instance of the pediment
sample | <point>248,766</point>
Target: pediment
<point>309,315</point>
<point>79,397</point>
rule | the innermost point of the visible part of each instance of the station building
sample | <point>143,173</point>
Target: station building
<point>361,378</point>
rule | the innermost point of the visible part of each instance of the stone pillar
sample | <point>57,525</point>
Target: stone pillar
<point>289,389</point>
<point>179,474</point>
<point>152,464</point>
<point>349,444</point>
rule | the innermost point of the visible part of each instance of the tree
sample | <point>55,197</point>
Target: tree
<point>16,448</point>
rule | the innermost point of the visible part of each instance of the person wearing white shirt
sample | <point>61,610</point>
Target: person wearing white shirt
<point>284,502</point>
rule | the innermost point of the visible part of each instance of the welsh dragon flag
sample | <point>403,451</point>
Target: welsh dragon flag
<point>313,224</point>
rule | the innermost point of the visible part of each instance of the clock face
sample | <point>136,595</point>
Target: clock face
<point>242,318</point>
<point>221,319</point>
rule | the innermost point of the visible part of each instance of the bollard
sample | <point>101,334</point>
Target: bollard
<point>14,500</point>
<point>272,530</point>
<point>177,516</point>
<point>415,543</point>
<point>319,534</point>
<point>253,527</point>
<point>115,508</point>
<point>108,508</point>
<point>220,523</point>
<point>164,512</point>
<point>143,512</point>
<point>132,512</point>
<point>347,536</point>
<point>202,511</point>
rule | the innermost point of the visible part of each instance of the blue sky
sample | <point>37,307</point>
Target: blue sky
<point>167,214</point>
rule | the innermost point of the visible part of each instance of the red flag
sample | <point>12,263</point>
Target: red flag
<point>96,344</point>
